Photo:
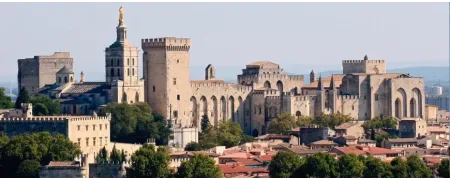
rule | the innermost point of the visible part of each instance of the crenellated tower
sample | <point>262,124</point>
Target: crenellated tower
<point>364,66</point>
<point>167,77</point>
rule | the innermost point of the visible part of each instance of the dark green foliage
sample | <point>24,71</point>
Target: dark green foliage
<point>350,166</point>
<point>246,138</point>
<point>380,123</point>
<point>376,168</point>
<point>193,146</point>
<point>28,169</point>
<point>5,101</point>
<point>46,106</point>
<point>205,122</point>
<point>149,163</point>
<point>399,168</point>
<point>22,98</point>
<point>285,165</point>
<point>282,124</point>
<point>443,169</point>
<point>417,168</point>
<point>40,147</point>
<point>134,123</point>
<point>199,166</point>
<point>102,156</point>
<point>321,165</point>
<point>331,120</point>
<point>227,134</point>
<point>115,155</point>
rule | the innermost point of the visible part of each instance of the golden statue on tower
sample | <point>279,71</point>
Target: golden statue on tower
<point>120,16</point>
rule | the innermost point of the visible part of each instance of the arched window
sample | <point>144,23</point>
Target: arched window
<point>65,79</point>
<point>71,79</point>
<point>128,71</point>
<point>118,62</point>
<point>59,79</point>
<point>133,71</point>
<point>133,61</point>
<point>118,72</point>
<point>112,72</point>
<point>128,61</point>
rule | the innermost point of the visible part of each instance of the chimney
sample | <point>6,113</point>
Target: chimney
<point>81,77</point>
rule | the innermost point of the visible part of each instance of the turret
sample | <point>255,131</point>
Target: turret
<point>210,72</point>
<point>64,76</point>
<point>366,58</point>
<point>312,76</point>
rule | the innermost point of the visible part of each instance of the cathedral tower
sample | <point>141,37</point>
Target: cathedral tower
<point>166,74</point>
<point>122,67</point>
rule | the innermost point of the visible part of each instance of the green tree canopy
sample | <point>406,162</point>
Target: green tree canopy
<point>199,166</point>
<point>399,168</point>
<point>376,168</point>
<point>22,98</point>
<point>52,105</point>
<point>5,101</point>
<point>417,168</point>
<point>135,123</point>
<point>303,120</point>
<point>205,123</point>
<point>321,165</point>
<point>350,166</point>
<point>102,155</point>
<point>40,147</point>
<point>380,123</point>
<point>28,169</point>
<point>227,134</point>
<point>149,163</point>
<point>284,164</point>
<point>282,124</point>
<point>443,169</point>
<point>115,155</point>
<point>193,146</point>
<point>331,120</point>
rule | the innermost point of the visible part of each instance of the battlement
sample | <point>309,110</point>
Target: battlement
<point>111,163</point>
<point>213,84</point>
<point>167,43</point>
<point>362,61</point>
<point>273,98</point>
<point>54,118</point>
<point>348,97</point>
<point>268,92</point>
<point>55,55</point>
<point>296,77</point>
<point>303,98</point>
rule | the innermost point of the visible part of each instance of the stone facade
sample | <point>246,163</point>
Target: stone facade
<point>264,90</point>
<point>36,72</point>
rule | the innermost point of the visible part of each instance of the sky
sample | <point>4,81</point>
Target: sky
<point>298,36</point>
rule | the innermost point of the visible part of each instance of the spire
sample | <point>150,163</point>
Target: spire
<point>319,84</point>
<point>366,58</point>
<point>332,82</point>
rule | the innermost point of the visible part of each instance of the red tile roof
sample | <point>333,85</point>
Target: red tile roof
<point>243,155</point>
<point>266,158</point>
<point>360,150</point>
<point>378,150</point>
<point>232,169</point>
<point>247,162</point>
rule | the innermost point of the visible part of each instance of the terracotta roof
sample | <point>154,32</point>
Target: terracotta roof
<point>366,141</point>
<point>243,155</point>
<point>348,150</point>
<point>403,140</point>
<point>323,142</point>
<point>64,70</point>
<point>378,150</point>
<point>345,125</point>
<point>443,140</point>
<point>326,81</point>
<point>350,137</point>
<point>266,158</point>
<point>247,162</point>
<point>437,129</point>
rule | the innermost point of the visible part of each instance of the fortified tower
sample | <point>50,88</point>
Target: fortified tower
<point>167,78</point>
<point>364,66</point>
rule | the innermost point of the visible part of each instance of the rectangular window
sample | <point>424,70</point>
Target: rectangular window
<point>175,114</point>
<point>79,141</point>
<point>376,97</point>
<point>153,88</point>
<point>87,127</point>
<point>178,97</point>
<point>87,142</point>
<point>93,127</point>
<point>174,81</point>
<point>106,127</point>
<point>260,110</point>
<point>100,126</point>
<point>101,141</point>
<point>93,141</point>
<point>79,127</point>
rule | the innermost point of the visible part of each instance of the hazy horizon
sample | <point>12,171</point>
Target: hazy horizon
<point>298,36</point>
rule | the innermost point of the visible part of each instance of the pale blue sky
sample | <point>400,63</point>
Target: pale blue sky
<point>298,36</point>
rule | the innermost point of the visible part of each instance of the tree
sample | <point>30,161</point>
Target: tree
<point>229,134</point>
<point>149,163</point>
<point>284,164</point>
<point>102,156</point>
<point>123,156</point>
<point>193,146</point>
<point>282,124</point>
<point>443,169</point>
<point>399,168</point>
<point>350,166</point>
<point>40,110</point>
<point>115,156</point>
<point>28,169</point>
<point>304,120</point>
<point>199,166</point>
<point>417,168</point>
<point>321,165</point>
<point>205,122</point>
<point>331,120</point>
<point>380,123</point>
<point>5,101</point>
<point>246,138</point>
<point>22,98</point>
<point>376,168</point>
<point>135,123</point>
<point>52,105</point>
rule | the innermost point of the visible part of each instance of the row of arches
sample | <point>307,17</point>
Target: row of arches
<point>116,62</point>
<point>217,109</point>
<point>125,98</point>
<point>118,72</point>
<point>403,102</point>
